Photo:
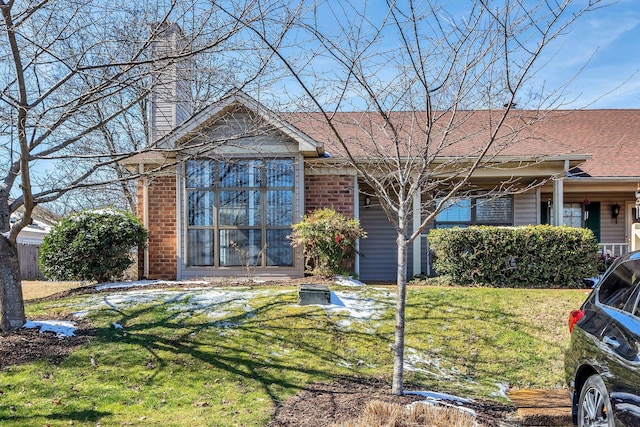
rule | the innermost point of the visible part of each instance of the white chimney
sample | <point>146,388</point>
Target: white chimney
<point>170,102</point>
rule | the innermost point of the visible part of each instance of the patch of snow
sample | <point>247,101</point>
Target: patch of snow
<point>428,364</point>
<point>143,283</point>
<point>435,396</point>
<point>214,303</point>
<point>357,306</point>
<point>503,388</point>
<point>348,281</point>
<point>60,328</point>
<point>117,326</point>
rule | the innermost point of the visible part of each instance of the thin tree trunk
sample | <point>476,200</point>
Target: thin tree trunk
<point>11,301</point>
<point>398,348</point>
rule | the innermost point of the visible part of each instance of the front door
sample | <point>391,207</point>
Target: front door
<point>592,218</point>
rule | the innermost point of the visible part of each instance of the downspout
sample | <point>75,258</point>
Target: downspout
<point>145,218</point>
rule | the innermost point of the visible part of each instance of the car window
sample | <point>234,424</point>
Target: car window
<point>618,286</point>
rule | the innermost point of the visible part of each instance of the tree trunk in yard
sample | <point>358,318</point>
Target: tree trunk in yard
<point>11,301</point>
<point>398,348</point>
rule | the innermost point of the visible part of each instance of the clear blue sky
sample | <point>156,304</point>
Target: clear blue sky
<point>608,42</point>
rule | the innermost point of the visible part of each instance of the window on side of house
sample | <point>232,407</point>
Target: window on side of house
<point>476,211</point>
<point>239,212</point>
<point>572,214</point>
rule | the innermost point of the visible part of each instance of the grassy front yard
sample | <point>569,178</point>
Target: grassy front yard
<point>184,357</point>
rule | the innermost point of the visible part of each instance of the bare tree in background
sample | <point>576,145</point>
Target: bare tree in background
<point>421,71</point>
<point>74,77</point>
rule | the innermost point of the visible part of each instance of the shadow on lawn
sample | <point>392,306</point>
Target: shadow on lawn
<point>488,341</point>
<point>277,344</point>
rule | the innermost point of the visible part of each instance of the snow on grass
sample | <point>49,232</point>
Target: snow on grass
<point>428,364</point>
<point>503,388</point>
<point>60,328</point>
<point>143,283</point>
<point>442,399</point>
<point>357,305</point>
<point>214,303</point>
<point>348,281</point>
<point>435,396</point>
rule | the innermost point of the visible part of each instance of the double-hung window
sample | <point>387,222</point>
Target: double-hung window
<point>239,212</point>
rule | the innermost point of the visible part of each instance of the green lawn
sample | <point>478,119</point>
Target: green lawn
<point>186,357</point>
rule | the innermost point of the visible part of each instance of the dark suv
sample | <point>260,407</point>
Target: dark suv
<point>602,364</point>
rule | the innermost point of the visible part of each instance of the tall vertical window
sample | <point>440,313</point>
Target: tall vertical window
<point>239,212</point>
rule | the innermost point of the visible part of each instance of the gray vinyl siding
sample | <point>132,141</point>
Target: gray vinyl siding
<point>162,117</point>
<point>378,252</point>
<point>236,134</point>
<point>526,209</point>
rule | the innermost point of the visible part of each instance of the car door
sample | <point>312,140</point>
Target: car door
<point>620,342</point>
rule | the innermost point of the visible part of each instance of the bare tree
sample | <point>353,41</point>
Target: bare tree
<point>73,82</point>
<point>421,72</point>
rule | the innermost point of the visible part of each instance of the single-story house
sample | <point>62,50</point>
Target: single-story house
<point>244,174</point>
<point>231,179</point>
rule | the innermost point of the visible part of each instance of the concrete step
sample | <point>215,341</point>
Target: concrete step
<point>542,407</point>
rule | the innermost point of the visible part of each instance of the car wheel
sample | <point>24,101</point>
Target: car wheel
<point>594,407</point>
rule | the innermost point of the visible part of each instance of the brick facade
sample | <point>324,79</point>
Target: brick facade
<point>329,191</point>
<point>162,225</point>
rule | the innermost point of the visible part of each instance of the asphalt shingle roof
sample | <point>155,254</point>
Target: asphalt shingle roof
<point>611,137</point>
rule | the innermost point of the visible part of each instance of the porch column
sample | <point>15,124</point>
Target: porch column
<point>145,217</point>
<point>417,243</point>
<point>558,196</point>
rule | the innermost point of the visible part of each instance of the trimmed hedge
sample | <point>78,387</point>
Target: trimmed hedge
<point>540,256</point>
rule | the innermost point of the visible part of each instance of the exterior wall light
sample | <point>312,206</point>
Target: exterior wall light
<point>615,211</point>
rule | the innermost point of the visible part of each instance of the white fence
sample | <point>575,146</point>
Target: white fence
<point>614,249</point>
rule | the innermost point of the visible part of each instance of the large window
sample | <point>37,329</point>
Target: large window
<point>239,213</point>
<point>468,211</point>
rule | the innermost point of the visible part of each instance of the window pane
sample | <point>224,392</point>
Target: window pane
<point>279,249</point>
<point>618,286</point>
<point>493,210</point>
<point>240,208</point>
<point>280,208</point>
<point>280,173</point>
<point>456,211</point>
<point>243,173</point>
<point>200,250</point>
<point>572,214</point>
<point>240,247</point>
<point>200,173</point>
<point>200,208</point>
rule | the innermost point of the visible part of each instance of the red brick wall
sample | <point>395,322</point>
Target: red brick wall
<point>162,225</point>
<point>329,191</point>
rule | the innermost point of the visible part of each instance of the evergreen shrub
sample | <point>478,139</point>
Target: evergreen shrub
<point>540,256</point>
<point>91,245</point>
<point>329,241</point>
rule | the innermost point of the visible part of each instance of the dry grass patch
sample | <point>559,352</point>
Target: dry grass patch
<point>383,414</point>
<point>34,289</point>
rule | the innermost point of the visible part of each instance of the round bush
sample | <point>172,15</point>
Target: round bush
<point>329,241</point>
<point>91,245</point>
